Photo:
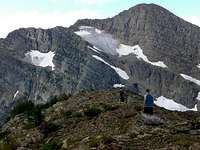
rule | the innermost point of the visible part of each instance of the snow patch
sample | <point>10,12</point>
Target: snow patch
<point>198,66</point>
<point>126,50</point>
<point>118,85</point>
<point>37,58</point>
<point>16,93</point>
<point>97,48</point>
<point>170,104</point>
<point>82,33</point>
<point>94,49</point>
<point>198,97</point>
<point>119,71</point>
<point>88,30</point>
<point>98,31</point>
<point>106,43</point>
<point>189,78</point>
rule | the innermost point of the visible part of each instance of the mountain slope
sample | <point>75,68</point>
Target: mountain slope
<point>161,34</point>
<point>143,47</point>
<point>98,120</point>
<point>73,71</point>
<point>164,38</point>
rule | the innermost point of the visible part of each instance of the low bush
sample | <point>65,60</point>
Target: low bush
<point>107,107</point>
<point>51,145</point>
<point>92,111</point>
<point>101,140</point>
<point>77,115</point>
<point>68,114</point>
<point>32,113</point>
<point>47,127</point>
<point>21,107</point>
<point>7,144</point>
<point>3,134</point>
<point>54,100</point>
<point>34,117</point>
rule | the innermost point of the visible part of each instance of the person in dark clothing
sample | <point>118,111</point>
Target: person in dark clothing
<point>148,103</point>
<point>122,96</point>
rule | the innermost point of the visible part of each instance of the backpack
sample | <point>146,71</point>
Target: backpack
<point>149,101</point>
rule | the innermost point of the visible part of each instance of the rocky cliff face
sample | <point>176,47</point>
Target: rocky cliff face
<point>163,37</point>
<point>161,34</point>
<point>75,69</point>
<point>88,58</point>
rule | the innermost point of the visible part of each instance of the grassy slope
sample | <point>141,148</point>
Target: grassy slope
<point>97,120</point>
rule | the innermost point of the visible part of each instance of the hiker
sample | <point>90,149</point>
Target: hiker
<point>122,96</point>
<point>148,103</point>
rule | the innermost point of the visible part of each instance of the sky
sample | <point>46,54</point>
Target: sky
<point>16,14</point>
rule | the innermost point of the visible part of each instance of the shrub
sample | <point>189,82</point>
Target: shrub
<point>107,107</point>
<point>138,108</point>
<point>77,115</point>
<point>31,112</point>
<point>51,145</point>
<point>7,144</point>
<point>34,117</point>
<point>3,134</point>
<point>92,111</point>
<point>47,128</point>
<point>68,114</point>
<point>195,124</point>
<point>100,140</point>
<point>21,107</point>
<point>54,100</point>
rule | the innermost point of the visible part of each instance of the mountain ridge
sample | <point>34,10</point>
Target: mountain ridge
<point>99,120</point>
<point>160,36</point>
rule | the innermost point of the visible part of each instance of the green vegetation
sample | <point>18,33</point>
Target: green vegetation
<point>195,124</point>
<point>47,127</point>
<point>7,144</point>
<point>107,107</point>
<point>92,111</point>
<point>77,115</point>
<point>34,117</point>
<point>68,114</point>
<point>21,107</point>
<point>51,145</point>
<point>185,141</point>
<point>33,112</point>
<point>3,134</point>
<point>100,140</point>
<point>54,100</point>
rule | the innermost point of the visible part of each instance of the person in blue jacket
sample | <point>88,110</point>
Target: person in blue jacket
<point>148,103</point>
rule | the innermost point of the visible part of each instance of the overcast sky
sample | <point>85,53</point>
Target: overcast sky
<point>50,13</point>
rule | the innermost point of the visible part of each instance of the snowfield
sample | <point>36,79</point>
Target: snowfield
<point>198,97</point>
<point>118,85</point>
<point>104,42</point>
<point>170,104</point>
<point>37,58</point>
<point>126,50</point>
<point>99,39</point>
<point>189,78</point>
<point>94,49</point>
<point>119,71</point>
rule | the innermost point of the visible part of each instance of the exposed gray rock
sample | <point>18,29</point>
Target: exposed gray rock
<point>162,35</point>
